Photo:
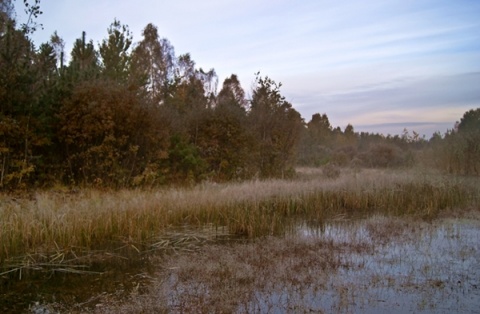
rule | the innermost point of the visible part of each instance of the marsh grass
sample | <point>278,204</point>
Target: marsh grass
<point>60,228</point>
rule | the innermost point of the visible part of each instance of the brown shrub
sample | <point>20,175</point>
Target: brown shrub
<point>331,171</point>
<point>383,156</point>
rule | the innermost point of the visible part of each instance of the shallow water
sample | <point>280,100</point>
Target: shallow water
<point>373,265</point>
<point>384,265</point>
<point>17,294</point>
<point>429,268</point>
<point>111,276</point>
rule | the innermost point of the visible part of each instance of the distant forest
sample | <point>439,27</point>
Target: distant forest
<point>126,114</point>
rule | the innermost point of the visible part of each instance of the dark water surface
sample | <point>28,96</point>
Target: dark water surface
<point>119,276</point>
<point>111,276</point>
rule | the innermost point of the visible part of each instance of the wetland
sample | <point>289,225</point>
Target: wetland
<point>365,242</point>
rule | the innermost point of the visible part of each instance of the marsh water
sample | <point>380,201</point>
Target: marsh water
<point>381,264</point>
<point>428,268</point>
<point>114,275</point>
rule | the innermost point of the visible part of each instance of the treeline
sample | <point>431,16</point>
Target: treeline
<point>456,152</point>
<point>124,114</point>
<point>127,114</point>
<point>322,144</point>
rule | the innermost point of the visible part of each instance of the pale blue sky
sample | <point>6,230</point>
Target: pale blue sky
<point>377,64</point>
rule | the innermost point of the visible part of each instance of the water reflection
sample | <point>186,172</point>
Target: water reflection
<point>372,265</point>
<point>414,267</point>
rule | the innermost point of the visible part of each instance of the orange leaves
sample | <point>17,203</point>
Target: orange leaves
<point>106,129</point>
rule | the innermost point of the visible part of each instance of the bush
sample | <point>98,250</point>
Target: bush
<point>331,171</point>
<point>343,155</point>
<point>383,156</point>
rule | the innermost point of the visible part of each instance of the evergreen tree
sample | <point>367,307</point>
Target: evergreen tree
<point>84,64</point>
<point>114,52</point>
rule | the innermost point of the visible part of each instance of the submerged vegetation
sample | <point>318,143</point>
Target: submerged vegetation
<point>375,265</point>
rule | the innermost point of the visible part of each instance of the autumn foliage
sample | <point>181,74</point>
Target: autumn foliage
<point>129,114</point>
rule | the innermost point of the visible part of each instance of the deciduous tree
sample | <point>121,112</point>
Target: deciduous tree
<point>153,63</point>
<point>276,126</point>
<point>109,136</point>
<point>224,139</point>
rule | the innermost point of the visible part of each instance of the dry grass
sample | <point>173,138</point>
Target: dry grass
<point>56,227</point>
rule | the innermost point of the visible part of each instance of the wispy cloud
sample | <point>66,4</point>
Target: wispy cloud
<point>361,62</point>
<point>438,99</point>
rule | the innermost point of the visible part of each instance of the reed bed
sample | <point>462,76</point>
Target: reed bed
<point>59,227</point>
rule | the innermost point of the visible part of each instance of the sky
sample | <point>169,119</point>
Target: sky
<point>380,65</point>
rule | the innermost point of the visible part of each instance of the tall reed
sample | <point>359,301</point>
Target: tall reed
<point>55,226</point>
